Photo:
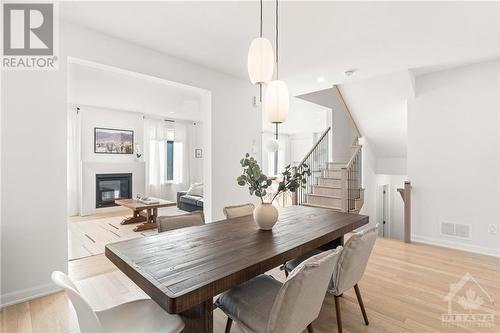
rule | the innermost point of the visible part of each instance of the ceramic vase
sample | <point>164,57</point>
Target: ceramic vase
<point>265,216</point>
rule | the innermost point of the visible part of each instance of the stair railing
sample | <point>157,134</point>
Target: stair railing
<point>351,180</point>
<point>316,159</point>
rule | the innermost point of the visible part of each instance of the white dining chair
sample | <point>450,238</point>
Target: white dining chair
<point>137,316</point>
<point>232,212</point>
<point>349,269</point>
<point>265,305</point>
<point>166,223</point>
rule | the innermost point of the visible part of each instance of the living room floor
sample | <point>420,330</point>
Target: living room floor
<point>88,235</point>
<point>403,290</point>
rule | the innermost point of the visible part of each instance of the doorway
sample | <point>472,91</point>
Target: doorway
<point>383,210</point>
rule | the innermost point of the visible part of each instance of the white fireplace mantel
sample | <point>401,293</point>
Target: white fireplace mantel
<point>88,185</point>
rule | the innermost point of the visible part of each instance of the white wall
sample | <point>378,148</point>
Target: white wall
<point>391,165</point>
<point>34,240</point>
<point>34,235</point>
<point>453,155</point>
<point>369,163</point>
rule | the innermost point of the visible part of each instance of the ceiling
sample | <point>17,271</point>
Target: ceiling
<point>322,38</point>
<point>122,90</point>
<point>317,39</point>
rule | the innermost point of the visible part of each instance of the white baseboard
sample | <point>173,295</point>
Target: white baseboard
<point>456,245</point>
<point>27,294</point>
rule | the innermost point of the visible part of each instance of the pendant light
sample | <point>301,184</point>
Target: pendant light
<point>260,59</point>
<point>277,101</point>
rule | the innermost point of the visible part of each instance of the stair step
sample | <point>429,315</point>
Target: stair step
<point>326,190</point>
<point>326,181</point>
<point>336,165</point>
<point>324,200</point>
<point>331,173</point>
<point>321,206</point>
<point>325,196</point>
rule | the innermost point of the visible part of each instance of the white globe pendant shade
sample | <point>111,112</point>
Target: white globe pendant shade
<point>272,146</point>
<point>260,61</point>
<point>277,101</point>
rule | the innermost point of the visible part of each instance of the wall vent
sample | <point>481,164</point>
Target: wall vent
<point>458,230</point>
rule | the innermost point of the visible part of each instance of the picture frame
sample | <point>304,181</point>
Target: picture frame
<point>113,141</point>
<point>198,153</point>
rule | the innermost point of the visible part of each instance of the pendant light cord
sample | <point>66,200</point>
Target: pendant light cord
<point>261,19</point>
<point>277,41</point>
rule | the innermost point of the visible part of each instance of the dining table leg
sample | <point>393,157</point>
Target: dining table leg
<point>199,319</point>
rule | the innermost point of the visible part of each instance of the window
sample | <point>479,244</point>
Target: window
<point>166,162</point>
<point>173,161</point>
<point>276,162</point>
<point>170,160</point>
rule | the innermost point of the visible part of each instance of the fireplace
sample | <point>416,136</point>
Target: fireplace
<point>112,186</point>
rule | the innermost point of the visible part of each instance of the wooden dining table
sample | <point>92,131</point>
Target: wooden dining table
<point>182,270</point>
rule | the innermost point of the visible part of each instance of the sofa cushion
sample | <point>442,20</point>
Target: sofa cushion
<point>190,199</point>
<point>196,189</point>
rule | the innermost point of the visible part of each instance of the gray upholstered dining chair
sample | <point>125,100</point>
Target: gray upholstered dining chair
<point>265,305</point>
<point>166,223</point>
<point>349,269</point>
<point>232,212</point>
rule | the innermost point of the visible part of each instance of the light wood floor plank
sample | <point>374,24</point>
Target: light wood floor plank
<point>403,289</point>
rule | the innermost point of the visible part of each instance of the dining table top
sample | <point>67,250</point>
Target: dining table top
<point>181,268</point>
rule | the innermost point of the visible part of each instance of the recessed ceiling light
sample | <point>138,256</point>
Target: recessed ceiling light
<point>320,79</point>
<point>350,72</point>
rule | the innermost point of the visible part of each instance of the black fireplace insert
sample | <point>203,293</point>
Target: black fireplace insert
<point>112,186</point>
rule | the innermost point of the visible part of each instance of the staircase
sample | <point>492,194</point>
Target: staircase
<point>332,185</point>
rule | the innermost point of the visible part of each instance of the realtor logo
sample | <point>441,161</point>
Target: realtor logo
<point>469,294</point>
<point>28,36</point>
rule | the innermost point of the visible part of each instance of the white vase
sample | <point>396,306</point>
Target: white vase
<point>265,216</point>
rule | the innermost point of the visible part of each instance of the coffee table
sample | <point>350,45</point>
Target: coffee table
<point>146,214</point>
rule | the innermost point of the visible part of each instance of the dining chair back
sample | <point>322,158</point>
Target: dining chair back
<point>87,318</point>
<point>299,300</point>
<point>353,260</point>
<point>166,223</point>
<point>232,212</point>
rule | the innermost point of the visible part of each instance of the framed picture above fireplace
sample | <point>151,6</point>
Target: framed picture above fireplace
<point>113,141</point>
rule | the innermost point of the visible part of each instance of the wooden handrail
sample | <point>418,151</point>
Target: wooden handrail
<point>346,109</point>
<point>314,147</point>
<point>358,148</point>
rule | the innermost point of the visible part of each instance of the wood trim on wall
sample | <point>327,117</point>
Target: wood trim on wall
<point>346,110</point>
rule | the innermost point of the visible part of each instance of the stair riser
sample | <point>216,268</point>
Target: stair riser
<point>329,182</point>
<point>332,173</point>
<point>335,166</point>
<point>336,192</point>
<point>324,201</point>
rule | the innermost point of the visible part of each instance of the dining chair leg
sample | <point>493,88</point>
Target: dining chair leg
<point>337,310</point>
<point>310,328</point>
<point>228,325</point>
<point>361,305</point>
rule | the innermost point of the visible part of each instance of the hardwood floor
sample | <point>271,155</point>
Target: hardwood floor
<point>88,235</point>
<point>403,290</point>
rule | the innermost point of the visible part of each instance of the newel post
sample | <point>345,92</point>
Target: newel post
<point>407,218</point>
<point>344,189</point>
<point>295,195</point>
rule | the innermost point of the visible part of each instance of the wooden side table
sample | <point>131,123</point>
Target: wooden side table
<point>146,214</point>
